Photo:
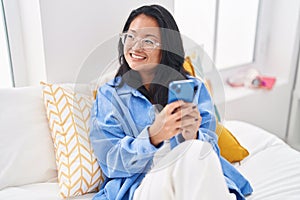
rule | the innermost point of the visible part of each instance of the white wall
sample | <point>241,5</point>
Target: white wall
<point>276,37</point>
<point>51,39</point>
<point>266,109</point>
<point>74,28</point>
<point>276,55</point>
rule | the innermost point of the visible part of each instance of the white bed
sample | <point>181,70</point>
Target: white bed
<point>273,168</point>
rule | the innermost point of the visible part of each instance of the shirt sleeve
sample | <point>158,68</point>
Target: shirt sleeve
<point>118,152</point>
<point>207,128</point>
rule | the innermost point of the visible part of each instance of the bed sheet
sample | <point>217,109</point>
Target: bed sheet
<point>39,191</point>
<point>273,167</point>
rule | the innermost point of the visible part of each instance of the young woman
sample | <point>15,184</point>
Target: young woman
<point>147,148</point>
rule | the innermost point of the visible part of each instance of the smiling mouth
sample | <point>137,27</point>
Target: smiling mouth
<point>137,57</point>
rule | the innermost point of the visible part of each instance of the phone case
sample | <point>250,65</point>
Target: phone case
<point>181,90</point>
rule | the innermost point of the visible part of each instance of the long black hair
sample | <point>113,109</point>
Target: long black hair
<point>172,58</point>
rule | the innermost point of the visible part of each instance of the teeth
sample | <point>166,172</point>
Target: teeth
<point>137,57</point>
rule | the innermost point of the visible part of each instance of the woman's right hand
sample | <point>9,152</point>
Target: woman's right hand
<point>168,122</point>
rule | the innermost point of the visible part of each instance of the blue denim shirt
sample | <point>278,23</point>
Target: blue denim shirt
<point>119,135</point>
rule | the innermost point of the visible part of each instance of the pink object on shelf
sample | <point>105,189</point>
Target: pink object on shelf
<point>267,82</point>
<point>252,79</point>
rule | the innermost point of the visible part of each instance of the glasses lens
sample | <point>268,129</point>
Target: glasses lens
<point>148,44</point>
<point>129,40</point>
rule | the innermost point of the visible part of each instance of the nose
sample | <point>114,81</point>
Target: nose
<point>137,45</point>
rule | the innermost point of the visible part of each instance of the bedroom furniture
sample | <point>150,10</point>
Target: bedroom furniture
<point>28,167</point>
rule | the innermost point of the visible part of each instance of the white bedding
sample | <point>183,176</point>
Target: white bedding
<point>272,167</point>
<point>39,191</point>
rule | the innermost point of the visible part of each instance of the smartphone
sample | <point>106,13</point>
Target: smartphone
<point>181,90</point>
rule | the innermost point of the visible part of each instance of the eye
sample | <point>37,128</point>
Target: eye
<point>130,37</point>
<point>148,41</point>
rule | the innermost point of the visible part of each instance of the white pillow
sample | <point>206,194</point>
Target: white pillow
<point>27,152</point>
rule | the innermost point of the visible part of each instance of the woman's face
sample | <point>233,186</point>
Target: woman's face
<point>144,30</point>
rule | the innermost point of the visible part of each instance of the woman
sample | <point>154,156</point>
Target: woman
<point>147,148</point>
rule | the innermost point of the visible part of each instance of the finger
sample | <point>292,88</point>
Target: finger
<point>171,126</point>
<point>191,112</point>
<point>189,134</point>
<point>172,107</point>
<point>191,128</point>
<point>173,133</point>
<point>188,104</point>
<point>190,121</point>
<point>176,128</point>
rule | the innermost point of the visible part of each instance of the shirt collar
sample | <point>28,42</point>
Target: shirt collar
<point>125,89</point>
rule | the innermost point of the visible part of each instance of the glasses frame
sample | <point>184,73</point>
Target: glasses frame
<point>138,39</point>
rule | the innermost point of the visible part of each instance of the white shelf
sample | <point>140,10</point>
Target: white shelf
<point>234,93</point>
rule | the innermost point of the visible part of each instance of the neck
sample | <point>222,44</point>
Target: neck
<point>147,79</point>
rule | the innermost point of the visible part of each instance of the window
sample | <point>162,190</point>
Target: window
<point>226,28</point>
<point>6,78</point>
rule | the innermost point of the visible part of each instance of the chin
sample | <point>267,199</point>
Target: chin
<point>136,67</point>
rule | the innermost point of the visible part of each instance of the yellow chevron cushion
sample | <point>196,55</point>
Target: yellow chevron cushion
<point>68,113</point>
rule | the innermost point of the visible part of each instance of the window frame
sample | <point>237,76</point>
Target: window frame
<point>6,61</point>
<point>215,37</point>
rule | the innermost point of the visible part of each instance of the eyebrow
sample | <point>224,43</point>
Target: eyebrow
<point>147,35</point>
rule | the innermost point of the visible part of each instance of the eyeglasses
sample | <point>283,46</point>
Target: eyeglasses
<point>147,44</point>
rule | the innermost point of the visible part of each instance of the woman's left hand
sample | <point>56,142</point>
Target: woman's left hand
<point>191,123</point>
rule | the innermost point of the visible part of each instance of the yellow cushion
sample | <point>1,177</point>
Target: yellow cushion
<point>230,147</point>
<point>68,113</point>
<point>188,66</point>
